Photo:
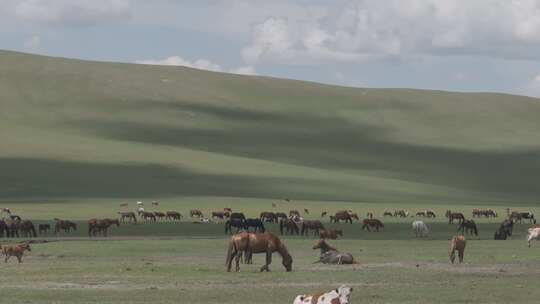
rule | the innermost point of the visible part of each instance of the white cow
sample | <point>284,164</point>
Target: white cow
<point>534,234</point>
<point>337,296</point>
<point>420,228</point>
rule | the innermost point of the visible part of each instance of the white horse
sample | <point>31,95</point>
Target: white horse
<point>420,228</point>
<point>533,234</point>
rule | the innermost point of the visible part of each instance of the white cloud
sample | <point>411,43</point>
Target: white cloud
<point>373,29</point>
<point>202,64</point>
<point>67,12</point>
<point>244,70</point>
<point>533,87</point>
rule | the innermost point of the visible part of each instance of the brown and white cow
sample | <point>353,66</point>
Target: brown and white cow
<point>337,296</point>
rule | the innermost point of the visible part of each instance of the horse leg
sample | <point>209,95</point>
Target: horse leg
<point>452,255</point>
<point>461,253</point>
<point>237,261</point>
<point>19,257</point>
<point>268,260</point>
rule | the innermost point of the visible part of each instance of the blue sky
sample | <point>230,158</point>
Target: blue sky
<point>460,45</point>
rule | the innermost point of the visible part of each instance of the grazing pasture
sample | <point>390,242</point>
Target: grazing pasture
<point>162,262</point>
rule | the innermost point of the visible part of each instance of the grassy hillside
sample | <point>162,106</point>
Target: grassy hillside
<point>78,130</point>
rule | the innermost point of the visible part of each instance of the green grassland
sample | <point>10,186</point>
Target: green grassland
<point>193,271</point>
<point>79,138</point>
<point>78,130</point>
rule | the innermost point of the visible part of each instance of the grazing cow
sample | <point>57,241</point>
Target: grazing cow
<point>330,234</point>
<point>44,228</point>
<point>128,215</point>
<point>454,216</point>
<point>195,213</point>
<point>268,217</point>
<point>311,225</point>
<point>173,215</point>
<point>533,234</point>
<point>15,250</point>
<point>373,223</point>
<point>337,296</point>
<point>458,244</point>
<point>290,226</point>
<point>420,229</point>
<point>468,226</point>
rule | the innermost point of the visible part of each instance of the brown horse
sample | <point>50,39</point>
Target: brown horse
<point>454,216</point>
<point>343,215</point>
<point>290,226</point>
<point>324,246</point>
<point>27,229</point>
<point>195,212</point>
<point>220,214</point>
<point>311,225</point>
<point>373,223</point>
<point>44,228</point>
<point>96,226</point>
<point>159,215</point>
<point>330,234</point>
<point>64,225</point>
<point>250,243</point>
<point>128,215</point>
<point>173,215</point>
<point>148,216</point>
<point>267,216</point>
<point>458,244</point>
<point>15,250</point>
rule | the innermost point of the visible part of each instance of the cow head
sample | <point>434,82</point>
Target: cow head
<point>344,293</point>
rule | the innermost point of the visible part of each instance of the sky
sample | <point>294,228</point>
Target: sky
<point>458,45</point>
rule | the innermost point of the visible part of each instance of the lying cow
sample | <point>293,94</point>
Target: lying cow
<point>337,296</point>
<point>534,234</point>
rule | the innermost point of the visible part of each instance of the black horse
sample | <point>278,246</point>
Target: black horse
<point>237,223</point>
<point>468,226</point>
<point>257,224</point>
<point>504,230</point>
<point>237,215</point>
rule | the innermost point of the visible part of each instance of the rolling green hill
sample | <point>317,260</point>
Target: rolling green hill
<point>79,129</point>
